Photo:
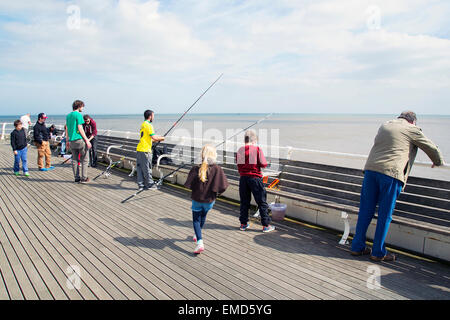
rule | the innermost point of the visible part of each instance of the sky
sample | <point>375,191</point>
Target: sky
<point>320,56</point>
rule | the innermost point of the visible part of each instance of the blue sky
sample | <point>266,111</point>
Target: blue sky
<point>344,56</point>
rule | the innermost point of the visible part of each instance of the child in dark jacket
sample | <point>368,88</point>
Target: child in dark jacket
<point>206,182</point>
<point>19,146</point>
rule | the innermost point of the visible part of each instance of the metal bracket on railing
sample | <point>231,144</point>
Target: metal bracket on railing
<point>109,148</point>
<point>133,168</point>
<point>289,153</point>
<point>344,216</point>
<point>161,174</point>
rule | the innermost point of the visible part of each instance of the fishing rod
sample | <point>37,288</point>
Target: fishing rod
<point>160,181</point>
<point>182,116</point>
<point>173,126</point>
<point>107,172</point>
<point>275,183</point>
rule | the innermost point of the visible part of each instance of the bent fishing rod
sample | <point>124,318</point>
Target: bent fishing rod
<point>160,181</point>
<point>173,126</point>
<point>182,116</point>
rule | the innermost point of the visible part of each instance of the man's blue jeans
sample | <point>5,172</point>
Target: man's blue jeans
<point>199,211</point>
<point>21,155</point>
<point>378,189</point>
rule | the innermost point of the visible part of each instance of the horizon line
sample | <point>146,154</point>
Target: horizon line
<point>235,113</point>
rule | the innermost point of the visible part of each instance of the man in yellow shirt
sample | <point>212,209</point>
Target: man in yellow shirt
<point>144,151</point>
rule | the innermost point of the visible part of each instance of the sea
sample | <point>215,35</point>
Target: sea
<point>336,139</point>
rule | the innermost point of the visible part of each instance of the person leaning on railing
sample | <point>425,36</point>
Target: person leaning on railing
<point>385,174</point>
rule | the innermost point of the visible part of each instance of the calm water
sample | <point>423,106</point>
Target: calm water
<point>338,133</point>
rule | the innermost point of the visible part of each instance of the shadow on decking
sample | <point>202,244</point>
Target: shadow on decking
<point>406,276</point>
<point>155,244</point>
<point>185,223</point>
<point>400,274</point>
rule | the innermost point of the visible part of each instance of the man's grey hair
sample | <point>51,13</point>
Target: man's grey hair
<point>250,136</point>
<point>409,116</point>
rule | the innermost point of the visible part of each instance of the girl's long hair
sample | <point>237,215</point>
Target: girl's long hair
<point>209,156</point>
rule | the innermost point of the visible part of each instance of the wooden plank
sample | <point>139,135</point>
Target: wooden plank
<point>400,283</point>
<point>115,219</point>
<point>184,274</point>
<point>10,284</point>
<point>64,210</point>
<point>284,250</point>
<point>52,289</point>
<point>188,296</point>
<point>62,258</point>
<point>3,292</point>
<point>94,266</point>
<point>73,257</point>
<point>26,287</point>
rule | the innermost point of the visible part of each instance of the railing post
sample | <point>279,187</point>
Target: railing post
<point>3,131</point>
<point>344,216</point>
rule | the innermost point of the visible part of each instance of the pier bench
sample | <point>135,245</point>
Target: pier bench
<point>328,196</point>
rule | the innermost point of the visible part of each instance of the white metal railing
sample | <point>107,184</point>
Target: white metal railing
<point>189,141</point>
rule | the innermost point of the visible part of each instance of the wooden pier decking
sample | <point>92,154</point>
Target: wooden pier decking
<point>143,249</point>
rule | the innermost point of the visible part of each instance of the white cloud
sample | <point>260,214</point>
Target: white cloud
<point>322,50</point>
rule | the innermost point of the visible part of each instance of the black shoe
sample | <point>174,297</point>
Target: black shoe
<point>85,181</point>
<point>77,180</point>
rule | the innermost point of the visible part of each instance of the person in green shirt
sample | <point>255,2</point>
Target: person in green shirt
<point>77,141</point>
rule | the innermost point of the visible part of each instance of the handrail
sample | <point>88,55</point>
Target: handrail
<point>288,148</point>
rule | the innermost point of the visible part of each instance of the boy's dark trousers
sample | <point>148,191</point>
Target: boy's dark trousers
<point>248,186</point>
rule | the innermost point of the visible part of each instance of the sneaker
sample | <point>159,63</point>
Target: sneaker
<point>17,174</point>
<point>269,228</point>
<point>26,174</point>
<point>194,238</point>
<point>84,181</point>
<point>153,186</point>
<point>43,169</point>
<point>77,180</point>
<point>366,251</point>
<point>387,257</point>
<point>244,226</point>
<point>50,168</point>
<point>200,248</point>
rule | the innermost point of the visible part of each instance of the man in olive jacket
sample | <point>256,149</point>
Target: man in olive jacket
<point>385,174</point>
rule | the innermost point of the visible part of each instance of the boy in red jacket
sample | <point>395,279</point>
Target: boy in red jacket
<point>250,159</point>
